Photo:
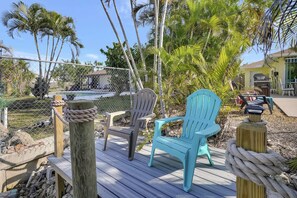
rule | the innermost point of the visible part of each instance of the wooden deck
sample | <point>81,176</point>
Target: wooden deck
<point>118,177</point>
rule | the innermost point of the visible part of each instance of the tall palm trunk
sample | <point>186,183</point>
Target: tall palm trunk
<point>49,77</point>
<point>121,44</point>
<point>53,53</point>
<point>40,65</point>
<point>156,43</point>
<point>38,54</point>
<point>162,104</point>
<point>139,43</point>
<point>128,46</point>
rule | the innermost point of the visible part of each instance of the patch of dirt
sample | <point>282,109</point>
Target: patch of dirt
<point>281,132</point>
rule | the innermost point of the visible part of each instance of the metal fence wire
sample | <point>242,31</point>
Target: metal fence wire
<point>27,88</point>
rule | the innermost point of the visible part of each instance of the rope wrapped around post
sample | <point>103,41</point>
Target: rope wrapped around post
<point>260,168</point>
<point>58,103</point>
<point>78,116</point>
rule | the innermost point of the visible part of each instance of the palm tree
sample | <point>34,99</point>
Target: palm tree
<point>25,19</point>
<point>61,30</point>
<point>133,4</point>
<point>7,49</point>
<point>128,46</point>
<point>136,78</point>
<point>279,26</point>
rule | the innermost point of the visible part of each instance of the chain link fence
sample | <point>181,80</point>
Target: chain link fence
<point>27,88</point>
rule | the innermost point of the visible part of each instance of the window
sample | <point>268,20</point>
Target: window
<point>291,69</point>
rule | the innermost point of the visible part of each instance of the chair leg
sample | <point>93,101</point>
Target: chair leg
<point>132,146</point>
<point>209,159</point>
<point>152,156</point>
<point>105,141</point>
<point>189,168</point>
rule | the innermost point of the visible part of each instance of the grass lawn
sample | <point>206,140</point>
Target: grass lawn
<point>26,113</point>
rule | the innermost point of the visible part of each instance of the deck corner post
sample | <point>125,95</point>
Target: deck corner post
<point>82,148</point>
<point>59,145</point>
<point>251,135</point>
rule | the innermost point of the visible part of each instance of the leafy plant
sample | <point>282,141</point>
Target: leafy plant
<point>293,164</point>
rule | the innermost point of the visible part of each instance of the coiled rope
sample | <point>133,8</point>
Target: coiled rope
<point>74,116</point>
<point>260,168</point>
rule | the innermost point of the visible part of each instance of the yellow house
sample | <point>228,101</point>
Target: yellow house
<point>281,67</point>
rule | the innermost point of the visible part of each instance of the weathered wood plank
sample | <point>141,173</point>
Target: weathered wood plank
<point>218,169</point>
<point>203,179</point>
<point>59,145</point>
<point>166,176</point>
<point>107,163</point>
<point>120,177</point>
<point>63,168</point>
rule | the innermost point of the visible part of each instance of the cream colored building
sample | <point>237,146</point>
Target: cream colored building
<point>282,66</point>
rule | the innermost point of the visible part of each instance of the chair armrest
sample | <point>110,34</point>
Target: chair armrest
<point>145,119</point>
<point>110,117</point>
<point>159,123</point>
<point>210,131</point>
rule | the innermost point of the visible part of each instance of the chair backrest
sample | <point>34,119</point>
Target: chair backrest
<point>201,111</point>
<point>281,85</point>
<point>244,101</point>
<point>144,103</point>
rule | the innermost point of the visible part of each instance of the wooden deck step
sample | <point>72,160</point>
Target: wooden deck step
<point>119,177</point>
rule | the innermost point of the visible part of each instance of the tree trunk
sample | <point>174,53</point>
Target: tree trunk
<point>162,104</point>
<point>40,65</point>
<point>128,46</point>
<point>139,43</point>
<point>156,43</point>
<point>54,49</point>
<point>49,77</point>
<point>38,54</point>
<point>121,44</point>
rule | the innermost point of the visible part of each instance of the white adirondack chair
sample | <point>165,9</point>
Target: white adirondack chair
<point>288,91</point>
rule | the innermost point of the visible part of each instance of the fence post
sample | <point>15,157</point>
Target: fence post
<point>82,150</point>
<point>59,145</point>
<point>251,135</point>
<point>5,117</point>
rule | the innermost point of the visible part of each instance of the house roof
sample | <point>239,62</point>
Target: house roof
<point>257,64</point>
<point>261,63</point>
<point>97,73</point>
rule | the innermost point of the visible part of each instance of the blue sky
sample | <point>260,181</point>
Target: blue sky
<point>93,29</point>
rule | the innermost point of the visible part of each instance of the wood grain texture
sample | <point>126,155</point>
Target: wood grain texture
<point>59,146</point>
<point>251,136</point>
<point>58,127</point>
<point>119,177</point>
<point>83,154</point>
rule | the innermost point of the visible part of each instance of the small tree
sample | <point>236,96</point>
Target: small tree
<point>40,88</point>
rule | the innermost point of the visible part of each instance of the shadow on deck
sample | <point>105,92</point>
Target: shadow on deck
<point>119,177</point>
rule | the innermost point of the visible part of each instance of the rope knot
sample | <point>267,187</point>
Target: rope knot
<point>260,168</point>
<point>78,116</point>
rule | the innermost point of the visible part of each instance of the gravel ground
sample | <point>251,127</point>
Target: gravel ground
<point>281,132</point>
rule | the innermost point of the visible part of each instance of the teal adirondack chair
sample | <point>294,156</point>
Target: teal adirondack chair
<point>199,124</point>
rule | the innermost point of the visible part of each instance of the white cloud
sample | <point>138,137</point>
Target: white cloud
<point>125,9</point>
<point>21,54</point>
<point>92,56</point>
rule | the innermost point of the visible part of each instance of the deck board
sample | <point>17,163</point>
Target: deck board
<point>119,177</point>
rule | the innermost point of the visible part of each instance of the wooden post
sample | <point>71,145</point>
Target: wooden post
<point>83,157</point>
<point>59,146</point>
<point>5,117</point>
<point>251,135</point>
